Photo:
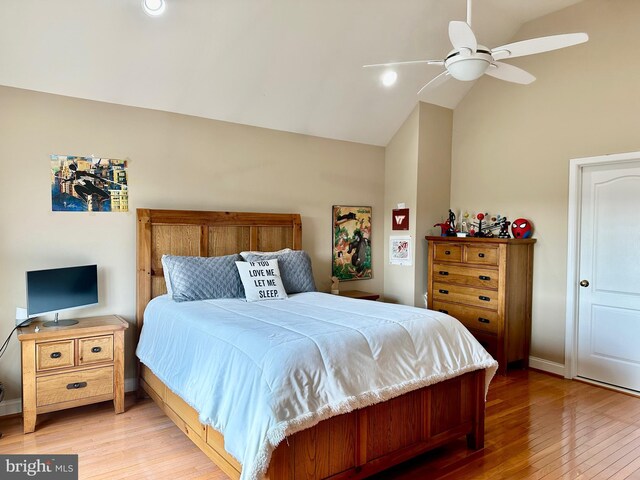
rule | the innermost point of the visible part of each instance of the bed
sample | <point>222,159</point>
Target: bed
<point>355,444</point>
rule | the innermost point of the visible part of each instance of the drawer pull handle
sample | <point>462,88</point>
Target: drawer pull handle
<point>484,299</point>
<point>447,252</point>
<point>484,277</point>
<point>446,292</point>
<point>56,355</point>
<point>481,255</point>
<point>443,273</point>
<point>77,385</point>
<point>484,320</point>
<point>96,349</point>
<point>443,310</point>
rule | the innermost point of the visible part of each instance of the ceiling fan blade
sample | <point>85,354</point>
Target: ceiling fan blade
<point>510,73</point>
<point>411,62</point>
<point>538,45</point>
<point>462,36</point>
<point>437,81</point>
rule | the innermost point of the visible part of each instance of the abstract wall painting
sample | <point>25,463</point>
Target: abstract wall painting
<point>351,243</point>
<point>88,184</point>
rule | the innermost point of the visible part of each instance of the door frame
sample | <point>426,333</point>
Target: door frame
<point>576,166</point>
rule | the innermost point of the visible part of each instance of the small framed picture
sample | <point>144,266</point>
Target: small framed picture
<point>400,250</point>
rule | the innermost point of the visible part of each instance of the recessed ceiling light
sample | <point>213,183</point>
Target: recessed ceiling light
<point>153,7</point>
<point>389,78</point>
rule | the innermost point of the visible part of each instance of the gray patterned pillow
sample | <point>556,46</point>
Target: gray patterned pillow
<point>295,270</point>
<point>202,278</point>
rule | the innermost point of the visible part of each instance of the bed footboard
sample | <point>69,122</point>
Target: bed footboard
<point>356,444</point>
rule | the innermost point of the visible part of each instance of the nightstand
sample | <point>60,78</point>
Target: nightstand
<point>359,294</point>
<point>65,367</point>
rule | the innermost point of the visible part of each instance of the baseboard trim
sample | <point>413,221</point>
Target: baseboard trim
<point>11,407</point>
<point>14,405</point>
<point>546,366</point>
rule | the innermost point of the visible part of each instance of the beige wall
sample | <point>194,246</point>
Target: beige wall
<point>512,144</point>
<point>433,184</point>
<point>401,170</point>
<point>176,161</point>
<point>418,174</point>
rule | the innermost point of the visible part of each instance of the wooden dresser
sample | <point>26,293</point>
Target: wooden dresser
<point>64,367</point>
<point>485,283</point>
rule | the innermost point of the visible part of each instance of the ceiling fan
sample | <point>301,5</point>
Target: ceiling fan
<point>469,60</point>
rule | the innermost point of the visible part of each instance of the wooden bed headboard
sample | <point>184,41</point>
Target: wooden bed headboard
<point>204,234</point>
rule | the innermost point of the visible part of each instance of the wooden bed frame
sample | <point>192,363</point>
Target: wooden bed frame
<point>353,445</point>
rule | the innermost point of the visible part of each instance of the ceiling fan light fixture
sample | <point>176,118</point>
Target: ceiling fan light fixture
<point>154,8</point>
<point>468,69</point>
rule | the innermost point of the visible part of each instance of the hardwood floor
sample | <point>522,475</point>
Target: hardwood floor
<point>538,427</point>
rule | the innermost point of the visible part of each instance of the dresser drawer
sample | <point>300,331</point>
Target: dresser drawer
<point>50,355</point>
<point>481,254</point>
<point>471,317</point>
<point>470,276</point>
<point>466,295</point>
<point>488,341</point>
<point>95,349</point>
<point>446,252</point>
<point>65,387</point>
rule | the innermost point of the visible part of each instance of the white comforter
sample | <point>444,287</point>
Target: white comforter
<point>259,371</point>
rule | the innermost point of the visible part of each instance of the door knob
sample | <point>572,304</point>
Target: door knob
<point>584,283</point>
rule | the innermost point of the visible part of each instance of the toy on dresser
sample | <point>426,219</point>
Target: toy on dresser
<point>448,227</point>
<point>482,225</point>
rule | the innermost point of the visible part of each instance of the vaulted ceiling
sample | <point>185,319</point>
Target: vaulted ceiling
<point>293,65</point>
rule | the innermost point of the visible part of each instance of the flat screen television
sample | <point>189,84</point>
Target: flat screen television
<point>58,289</point>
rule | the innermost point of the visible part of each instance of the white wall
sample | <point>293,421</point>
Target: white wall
<point>176,161</point>
<point>512,144</point>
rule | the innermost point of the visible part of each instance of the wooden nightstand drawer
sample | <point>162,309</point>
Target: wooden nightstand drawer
<point>65,387</point>
<point>465,295</point>
<point>472,277</point>
<point>472,317</point>
<point>95,349</point>
<point>447,252</point>
<point>481,254</point>
<point>359,295</point>
<point>52,355</point>
<point>69,366</point>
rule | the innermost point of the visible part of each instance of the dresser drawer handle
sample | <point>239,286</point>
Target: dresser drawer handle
<point>447,252</point>
<point>75,386</point>
<point>484,277</point>
<point>446,292</point>
<point>484,299</point>
<point>96,349</point>
<point>443,310</point>
<point>56,355</point>
<point>443,273</point>
<point>481,255</point>
<point>484,320</point>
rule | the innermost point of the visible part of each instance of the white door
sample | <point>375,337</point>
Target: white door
<point>609,300</point>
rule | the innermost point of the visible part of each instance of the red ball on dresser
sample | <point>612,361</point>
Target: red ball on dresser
<point>521,228</point>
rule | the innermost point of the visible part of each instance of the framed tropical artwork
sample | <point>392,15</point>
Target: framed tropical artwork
<point>351,243</point>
